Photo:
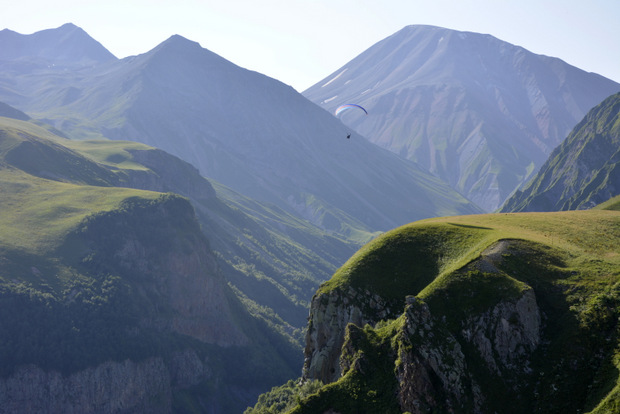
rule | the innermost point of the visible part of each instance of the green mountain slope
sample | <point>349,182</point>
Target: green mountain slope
<point>274,260</point>
<point>512,313</point>
<point>103,285</point>
<point>583,171</point>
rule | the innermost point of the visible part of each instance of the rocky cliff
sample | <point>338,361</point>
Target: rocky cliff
<point>330,314</point>
<point>118,387</point>
<point>159,245</point>
<point>433,362</point>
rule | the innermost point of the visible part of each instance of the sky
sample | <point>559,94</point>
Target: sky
<point>301,42</point>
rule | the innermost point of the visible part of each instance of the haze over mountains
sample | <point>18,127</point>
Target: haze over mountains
<point>246,130</point>
<point>199,299</point>
<point>478,112</point>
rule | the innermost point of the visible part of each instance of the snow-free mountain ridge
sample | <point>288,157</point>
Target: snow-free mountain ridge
<point>65,45</point>
<point>245,130</point>
<point>478,112</point>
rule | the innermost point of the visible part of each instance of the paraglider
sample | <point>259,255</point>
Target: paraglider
<point>344,107</point>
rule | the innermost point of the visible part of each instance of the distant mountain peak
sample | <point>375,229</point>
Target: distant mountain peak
<point>65,45</point>
<point>178,42</point>
<point>478,112</point>
<point>69,26</point>
<point>178,53</point>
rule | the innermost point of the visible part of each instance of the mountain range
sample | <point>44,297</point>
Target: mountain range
<point>167,217</point>
<point>245,130</point>
<point>478,112</point>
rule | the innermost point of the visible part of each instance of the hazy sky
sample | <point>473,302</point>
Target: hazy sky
<point>299,42</point>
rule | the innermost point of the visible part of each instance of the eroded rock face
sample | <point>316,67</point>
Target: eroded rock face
<point>432,371</point>
<point>120,387</point>
<point>159,246</point>
<point>432,360</point>
<point>329,315</point>
<point>506,335</point>
<point>156,248</point>
<point>112,387</point>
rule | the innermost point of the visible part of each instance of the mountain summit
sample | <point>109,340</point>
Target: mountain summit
<point>65,45</point>
<point>478,112</point>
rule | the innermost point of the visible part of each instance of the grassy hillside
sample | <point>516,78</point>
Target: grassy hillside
<point>274,261</point>
<point>611,204</point>
<point>570,260</point>
<point>71,297</point>
<point>37,213</point>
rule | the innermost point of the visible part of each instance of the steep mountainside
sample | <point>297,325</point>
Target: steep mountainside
<point>478,112</point>
<point>583,171</point>
<point>111,298</point>
<point>274,260</point>
<point>511,313</point>
<point>249,132</point>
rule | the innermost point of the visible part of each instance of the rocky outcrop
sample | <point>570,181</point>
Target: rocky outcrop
<point>506,335</point>
<point>433,357</point>
<point>330,313</point>
<point>432,362</point>
<point>123,387</point>
<point>432,370</point>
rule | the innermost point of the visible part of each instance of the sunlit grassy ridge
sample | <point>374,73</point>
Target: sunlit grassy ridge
<point>112,153</point>
<point>37,213</point>
<point>429,249</point>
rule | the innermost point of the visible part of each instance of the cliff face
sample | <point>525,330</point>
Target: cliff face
<point>119,387</point>
<point>122,387</point>
<point>159,246</point>
<point>441,362</point>
<point>433,364</point>
<point>329,316</point>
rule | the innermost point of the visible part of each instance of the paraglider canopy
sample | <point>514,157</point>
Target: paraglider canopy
<point>344,107</point>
